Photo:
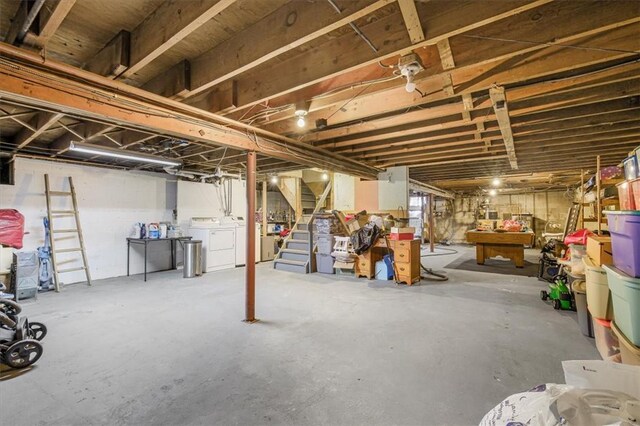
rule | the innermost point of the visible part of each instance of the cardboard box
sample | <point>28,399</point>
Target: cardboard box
<point>599,250</point>
<point>407,230</point>
<point>402,236</point>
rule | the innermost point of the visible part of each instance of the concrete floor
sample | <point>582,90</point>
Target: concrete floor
<point>329,350</point>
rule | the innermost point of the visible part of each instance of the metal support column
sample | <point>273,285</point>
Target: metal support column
<point>431,224</point>
<point>264,208</point>
<point>251,239</point>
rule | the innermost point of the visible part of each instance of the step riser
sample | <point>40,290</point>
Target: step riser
<point>290,268</point>
<point>300,236</point>
<point>297,245</point>
<point>295,256</point>
<point>303,226</point>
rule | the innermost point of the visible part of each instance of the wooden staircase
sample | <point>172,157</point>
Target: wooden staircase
<point>297,249</point>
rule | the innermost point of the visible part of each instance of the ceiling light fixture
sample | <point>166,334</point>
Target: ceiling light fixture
<point>493,192</point>
<point>122,154</point>
<point>410,65</point>
<point>302,109</point>
<point>496,182</point>
<point>325,176</point>
<point>274,179</point>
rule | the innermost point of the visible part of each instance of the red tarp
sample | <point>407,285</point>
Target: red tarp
<point>11,228</point>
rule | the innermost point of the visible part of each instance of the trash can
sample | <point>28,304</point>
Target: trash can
<point>192,258</point>
<point>584,317</point>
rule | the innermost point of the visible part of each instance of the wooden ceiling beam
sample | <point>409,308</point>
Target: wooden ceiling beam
<point>580,15</point>
<point>501,109</point>
<point>411,20</point>
<point>91,97</point>
<point>40,123</point>
<point>389,34</point>
<point>166,26</point>
<point>289,27</point>
<point>49,20</point>
<point>605,77</point>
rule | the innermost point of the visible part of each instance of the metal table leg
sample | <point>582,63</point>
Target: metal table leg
<point>173,254</point>
<point>145,260</point>
<point>128,249</point>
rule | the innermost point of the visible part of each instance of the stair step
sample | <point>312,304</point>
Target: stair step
<point>290,262</point>
<point>294,251</point>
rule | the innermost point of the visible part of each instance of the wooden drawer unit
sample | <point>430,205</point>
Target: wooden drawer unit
<point>365,267</point>
<point>407,260</point>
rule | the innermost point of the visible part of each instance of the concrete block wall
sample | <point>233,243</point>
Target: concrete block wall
<point>110,202</point>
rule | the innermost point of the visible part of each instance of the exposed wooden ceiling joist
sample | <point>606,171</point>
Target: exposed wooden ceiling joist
<point>139,109</point>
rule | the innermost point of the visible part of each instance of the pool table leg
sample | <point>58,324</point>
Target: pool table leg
<point>480,253</point>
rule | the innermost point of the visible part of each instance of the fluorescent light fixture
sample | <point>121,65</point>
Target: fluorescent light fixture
<point>121,153</point>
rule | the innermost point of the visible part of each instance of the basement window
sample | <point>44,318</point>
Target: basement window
<point>7,171</point>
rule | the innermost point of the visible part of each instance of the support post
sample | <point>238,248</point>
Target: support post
<point>431,231</point>
<point>250,277</point>
<point>264,208</point>
<point>598,199</point>
<point>581,198</point>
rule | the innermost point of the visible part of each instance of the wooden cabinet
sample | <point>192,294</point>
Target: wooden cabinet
<point>406,255</point>
<point>407,259</point>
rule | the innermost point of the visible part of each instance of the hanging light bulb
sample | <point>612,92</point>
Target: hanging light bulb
<point>302,109</point>
<point>301,122</point>
<point>325,176</point>
<point>496,182</point>
<point>410,87</point>
<point>274,179</point>
<point>493,192</point>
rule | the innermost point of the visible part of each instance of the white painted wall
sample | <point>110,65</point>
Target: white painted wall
<point>110,202</point>
<point>393,189</point>
<point>197,199</point>
<point>343,192</point>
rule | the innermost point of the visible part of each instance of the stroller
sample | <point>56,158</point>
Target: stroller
<point>20,339</point>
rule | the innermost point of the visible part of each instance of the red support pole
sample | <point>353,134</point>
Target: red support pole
<point>250,278</point>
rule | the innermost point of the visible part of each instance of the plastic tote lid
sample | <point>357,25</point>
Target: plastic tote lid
<point>623,212</point>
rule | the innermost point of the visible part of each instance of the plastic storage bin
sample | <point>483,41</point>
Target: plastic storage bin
<point>624,227</point>
<point>635,190</point>
<point>625,292</point>
<point>324,263</point>
<point>625,194</point>
<point>598,293</point>
<point>630,165</point>
<point>578,251</point>
<point>584,318</point>
<point>606,340</point>
<point>629,353</point>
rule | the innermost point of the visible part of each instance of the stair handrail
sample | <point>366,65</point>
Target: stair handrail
<point>320,201</point>
<point>312,245</point>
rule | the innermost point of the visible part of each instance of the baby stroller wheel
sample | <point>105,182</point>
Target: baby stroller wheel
<point>23,353</point>
<point>544,295</point>
<point>556,304</point>
<point>10,308</point>
<point>37,330</point>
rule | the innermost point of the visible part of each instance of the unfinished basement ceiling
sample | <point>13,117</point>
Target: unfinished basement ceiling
<point>569,71</point>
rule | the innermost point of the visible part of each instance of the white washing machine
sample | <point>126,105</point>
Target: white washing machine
<point>218,242</point>
<point>241,242</point>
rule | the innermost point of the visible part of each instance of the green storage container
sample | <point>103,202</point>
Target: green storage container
<point>625,291</point>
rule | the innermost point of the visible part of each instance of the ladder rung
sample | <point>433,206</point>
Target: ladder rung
<point>63,231</point>
<point>59,193</point>
<point>63,212</point>
<point>68,250</point>
<point>79,268</point>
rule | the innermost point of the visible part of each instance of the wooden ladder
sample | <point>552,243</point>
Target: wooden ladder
<point>51,214</point>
